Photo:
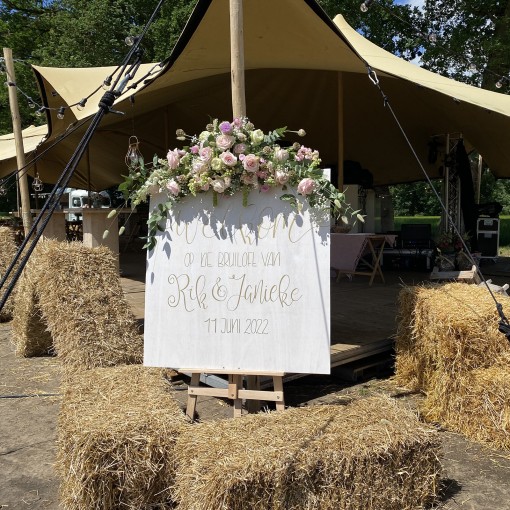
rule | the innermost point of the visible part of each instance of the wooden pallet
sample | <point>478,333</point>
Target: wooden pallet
<point>470,276</point>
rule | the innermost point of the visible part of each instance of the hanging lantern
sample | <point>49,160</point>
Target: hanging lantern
<point>37,184</point>
<point>3,189</point>
<point>134,157</point>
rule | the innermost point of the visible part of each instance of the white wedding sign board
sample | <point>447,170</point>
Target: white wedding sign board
<point>236,287</point>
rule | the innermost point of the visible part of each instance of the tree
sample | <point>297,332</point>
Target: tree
<point>22,28</point>
<point>415,199</point>
<point>473,40</point>
<point>383,23</point>
<point>80,33</point>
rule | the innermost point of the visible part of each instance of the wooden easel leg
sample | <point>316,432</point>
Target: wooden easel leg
<point>253,383</point>
<point>192,399</point>
<point>278,386</point>
<point>234,384</point>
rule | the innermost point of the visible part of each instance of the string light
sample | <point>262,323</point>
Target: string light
<point>81,105</point>
<point>365,5</point>
<point>107,82</point>
<point>60,111</point>
<point>432,37</point>
<point>130,40</point>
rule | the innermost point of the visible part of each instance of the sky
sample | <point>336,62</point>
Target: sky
<point>412,3</point>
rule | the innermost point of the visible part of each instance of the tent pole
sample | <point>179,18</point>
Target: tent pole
<point>479,178</point>
<point>26,215</point>
<point>340,123</point>
<point>237,59</point>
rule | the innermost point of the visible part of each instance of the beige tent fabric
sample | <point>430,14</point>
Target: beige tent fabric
<point>32,137</point>
<point>302,71</point>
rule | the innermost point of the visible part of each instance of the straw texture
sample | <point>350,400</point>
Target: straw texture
<point>448,346</point>
<point>367,455</point>
<point>8,250</point>
<point>29,330</point>
<point>116,437</point>
<point>81,300</point>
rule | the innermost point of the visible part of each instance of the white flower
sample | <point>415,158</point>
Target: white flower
<point>257,137</point>
<point>281,155</point>
<point>219,185</point>
<point>281,177</point>
<point>216,164</point>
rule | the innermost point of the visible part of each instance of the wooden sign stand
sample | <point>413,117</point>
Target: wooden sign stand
<point>235,390</point>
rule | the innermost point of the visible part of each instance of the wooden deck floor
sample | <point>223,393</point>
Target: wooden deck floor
<point>362,317</point>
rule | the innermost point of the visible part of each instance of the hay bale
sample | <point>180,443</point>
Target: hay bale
<point>369,454</point>
<point>450,328</point>
<point>116,434</point>
<point>8,250</point>
<point>82,302</point>
<point>448,346</point>
<point>29,330</point>
<point>408,367</point>
<point>476,404</point>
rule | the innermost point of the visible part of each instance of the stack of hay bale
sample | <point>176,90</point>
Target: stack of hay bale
<point>8,250</point>
<point>124,442</point>
<point>119,420</point>
<point>448,346</point>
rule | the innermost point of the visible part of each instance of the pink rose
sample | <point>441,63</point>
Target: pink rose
<point>224,142</point>
<point>205,153</point>
<point>306,186</point>
<point>265,188</point>
<point>173,159</point>
<point>228,158</point>
<point>239,148</point>
<point>194,149</point>
<point>251,163</point>
<point>173,187</point>
<point>249,179</point>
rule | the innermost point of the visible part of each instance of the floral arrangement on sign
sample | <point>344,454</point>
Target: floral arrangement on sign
<point>230,157</point>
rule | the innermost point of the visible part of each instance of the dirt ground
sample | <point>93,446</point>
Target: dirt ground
<point>474,478</point>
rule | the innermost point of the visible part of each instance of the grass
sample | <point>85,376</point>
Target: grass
<point>504,229</point>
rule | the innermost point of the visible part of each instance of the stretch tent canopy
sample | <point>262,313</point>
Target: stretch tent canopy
<point>303,70</point>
